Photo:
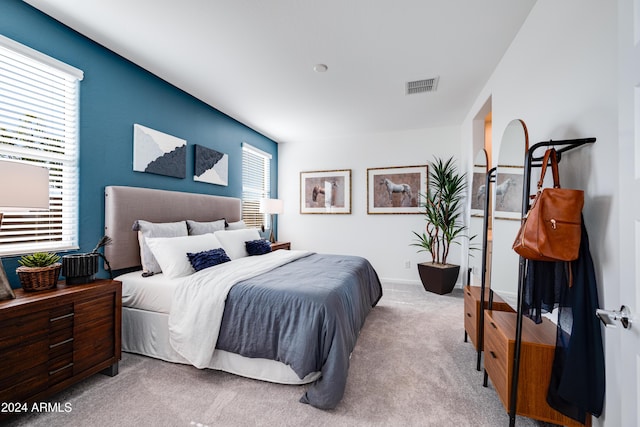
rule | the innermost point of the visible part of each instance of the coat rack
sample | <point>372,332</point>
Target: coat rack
<point>530,162</point>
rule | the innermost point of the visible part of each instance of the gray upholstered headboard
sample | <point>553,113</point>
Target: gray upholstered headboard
<point>124,205</point>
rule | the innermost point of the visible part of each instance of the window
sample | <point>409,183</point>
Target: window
<point>256,179</point>
<point>39,125</point>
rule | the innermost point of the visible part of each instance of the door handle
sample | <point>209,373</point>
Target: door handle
<point>609,317</point>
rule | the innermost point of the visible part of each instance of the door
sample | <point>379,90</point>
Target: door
<point>626,357</point>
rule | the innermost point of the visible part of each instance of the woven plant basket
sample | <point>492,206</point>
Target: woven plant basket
<point>39,278</point>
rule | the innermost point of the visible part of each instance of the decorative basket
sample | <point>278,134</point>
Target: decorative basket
<point>39,278</point>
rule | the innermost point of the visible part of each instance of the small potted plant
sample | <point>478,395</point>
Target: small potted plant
<point>39,271</point>
<point>443,212</point>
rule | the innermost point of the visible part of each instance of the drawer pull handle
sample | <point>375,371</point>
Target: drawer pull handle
<point>468,314</point>
<point>68,365</point>
<point>64,316</point>
<point>494,326</point>
<point>60,343</point>
<point>493,354</point>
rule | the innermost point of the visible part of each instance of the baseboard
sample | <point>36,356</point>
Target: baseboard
<point>389,281</point>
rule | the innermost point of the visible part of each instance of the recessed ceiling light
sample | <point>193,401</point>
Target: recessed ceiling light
<point>320,68</point>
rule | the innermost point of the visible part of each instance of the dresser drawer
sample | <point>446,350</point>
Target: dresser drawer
<point>470,318</point>
<point>23,329</point>
<point>60,368</point>
<point>24,384</point>
<point>94,333</point>
<point>496,354</point>
<point>23,358</point>
<point>61,330</point>
<point>496,341</point>
<point>94,347</point>
<point>61,318</point>
<point>472,312</point>
<point>61,343</point>
<point>95,310</point>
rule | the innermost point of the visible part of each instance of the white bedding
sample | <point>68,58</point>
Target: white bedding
<point>147,302</point>
<point>147,333</point>
<point>153,293</point>
<point>198,302</point>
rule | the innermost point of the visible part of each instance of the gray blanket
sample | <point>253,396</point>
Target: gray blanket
<point>306,314</point>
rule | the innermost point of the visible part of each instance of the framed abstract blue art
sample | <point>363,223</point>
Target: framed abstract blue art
<point>211,166</point>
<point>158,153</point>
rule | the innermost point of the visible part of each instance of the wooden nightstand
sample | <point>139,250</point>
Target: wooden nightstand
<point>472,310</point>
<point>536,361</point>
<point>52,339</point>
<point>280,245</point>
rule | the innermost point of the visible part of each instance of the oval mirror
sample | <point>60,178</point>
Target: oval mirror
<point>477,222</point>
<point>507,210</point>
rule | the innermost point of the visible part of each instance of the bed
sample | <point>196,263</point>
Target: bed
<point>290,317</point>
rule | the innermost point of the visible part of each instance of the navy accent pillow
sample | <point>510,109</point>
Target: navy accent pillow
<point>257,247</point>
<point>208,258</point>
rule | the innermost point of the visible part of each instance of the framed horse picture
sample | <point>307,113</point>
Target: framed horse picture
<point>478,184</point>
<point>396,190</point>
<point>325,192</point>
<point>508,192</point>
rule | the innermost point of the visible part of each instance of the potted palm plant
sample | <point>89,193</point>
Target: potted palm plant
<point>443,212</point>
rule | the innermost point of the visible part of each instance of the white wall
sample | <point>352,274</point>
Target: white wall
<point>623,345</point>
<point>382,239</point>
<point>559,76</point>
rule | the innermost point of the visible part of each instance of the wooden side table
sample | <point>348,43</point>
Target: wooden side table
<point>538,348</point>
<point>280,245</point>
<point>472,311</point>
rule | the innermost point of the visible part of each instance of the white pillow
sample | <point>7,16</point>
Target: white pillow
<point>196,227</point>
<point>171,252</point>
<point>148,229</point>
<point>238,225</point>
<point>233,241</point>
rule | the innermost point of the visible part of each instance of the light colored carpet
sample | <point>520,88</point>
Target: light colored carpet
<point>409,368</point>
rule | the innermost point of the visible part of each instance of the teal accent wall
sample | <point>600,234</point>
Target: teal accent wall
<point>115,94</point>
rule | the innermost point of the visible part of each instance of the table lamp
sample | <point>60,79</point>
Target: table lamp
<point>23,187</point>
<point>271,207</point>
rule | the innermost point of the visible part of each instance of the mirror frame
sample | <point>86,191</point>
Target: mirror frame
<point>506,222</point>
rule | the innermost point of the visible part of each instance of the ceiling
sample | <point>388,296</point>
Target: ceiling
<point>254,60</point>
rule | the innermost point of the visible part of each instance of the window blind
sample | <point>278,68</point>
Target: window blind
<point>39,125</point>
<point>256,179</point>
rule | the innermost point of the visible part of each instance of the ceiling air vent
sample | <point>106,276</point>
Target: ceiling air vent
<point>419,86</point>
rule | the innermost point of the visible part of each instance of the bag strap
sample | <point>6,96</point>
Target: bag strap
<point>550,154</point>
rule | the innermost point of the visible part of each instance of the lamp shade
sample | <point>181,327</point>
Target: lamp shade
<point>271,206</point>
<point>23,187</point>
